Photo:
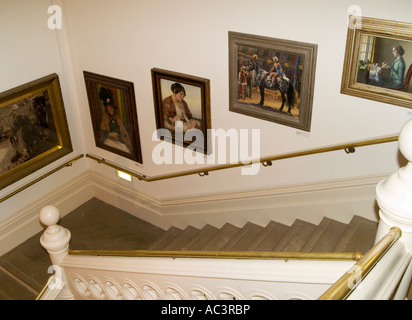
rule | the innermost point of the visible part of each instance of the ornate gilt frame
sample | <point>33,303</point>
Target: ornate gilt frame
<point>33,127</point>
<point>355,76</point>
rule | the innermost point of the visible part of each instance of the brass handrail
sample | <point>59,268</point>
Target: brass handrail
<point>341,289</point>
<point>45,287</point>
<point>348,147</point>
<point>224,254</point>
<point>64,165</point>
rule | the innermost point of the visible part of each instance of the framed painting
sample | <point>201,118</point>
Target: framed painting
<point>114,115</point>
<point>33,128</point>
<point>272,79</point>
<point>182,109</point>
<point>378,60</point>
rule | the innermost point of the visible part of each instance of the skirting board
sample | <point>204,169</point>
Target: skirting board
<point>24,224</point>
<point>339,200</point>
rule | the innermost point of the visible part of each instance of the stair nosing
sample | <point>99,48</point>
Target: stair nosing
<point>321,233</point>
<point>202,232</point>
<point>351,236</point>
<point>239,236</point>
<point>264,237</point>
<point>162,237</point>
<point>296,229</point>
<point>224,230</point>
<point>180,237</point>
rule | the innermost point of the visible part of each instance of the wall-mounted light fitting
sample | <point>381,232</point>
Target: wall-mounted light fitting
<point>124,175</point>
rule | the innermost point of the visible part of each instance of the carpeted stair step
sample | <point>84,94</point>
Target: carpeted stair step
<point>203,237</point>
<point>325,236</point>
<point>358,236</point>
<point>329,236</point>
<point>221,238</point>
<point>183,239</point>
<point>12,288</point>
<point>20,281</point>
<point>296,237</point>
<point>168,236</point>
<point>243,238</point>
<point>270,235</point>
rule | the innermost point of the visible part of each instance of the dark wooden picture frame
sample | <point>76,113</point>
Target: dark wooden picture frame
<point>196,115</point>
<point>114,115</point>
<point>285,96</point>
<point>372,69</point>
<point>33,128</point>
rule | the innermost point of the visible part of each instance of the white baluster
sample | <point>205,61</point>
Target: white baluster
<point>394,194</point>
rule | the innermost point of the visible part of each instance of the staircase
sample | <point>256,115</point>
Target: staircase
<point>19,283</point>
<point>329,236</point>
<point>156,277</point>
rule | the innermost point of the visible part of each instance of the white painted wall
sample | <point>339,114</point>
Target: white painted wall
<point>29,51</point>
<point>126,38</point>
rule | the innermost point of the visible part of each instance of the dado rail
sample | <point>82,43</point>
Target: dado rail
<point>384,272</point>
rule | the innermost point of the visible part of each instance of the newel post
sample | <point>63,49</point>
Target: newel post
<point>55,238</point>
<point>394,194</point>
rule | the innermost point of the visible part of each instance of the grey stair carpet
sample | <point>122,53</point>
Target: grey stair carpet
<point>358,236</point>
<point>325,236</point>
<point>96,225</point>
<point>200,240</point>
<point>221,238</point>
<point>243,238</point>
<point>297,235</point>
<point>271,235</point>
<point>329,236</point>
<point>12,287</point>
<point>165,239</point>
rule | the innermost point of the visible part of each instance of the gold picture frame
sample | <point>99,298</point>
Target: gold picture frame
<point>284,97</point>
<point>378,60</point>
<point>33,128</point>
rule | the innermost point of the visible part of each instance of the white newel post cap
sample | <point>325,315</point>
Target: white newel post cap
<point>394,194</point>
<point>55,238</point>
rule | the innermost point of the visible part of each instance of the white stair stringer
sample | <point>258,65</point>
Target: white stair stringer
<point>147,278</point>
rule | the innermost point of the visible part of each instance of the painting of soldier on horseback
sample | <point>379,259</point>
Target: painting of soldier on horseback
<point>272,79</point>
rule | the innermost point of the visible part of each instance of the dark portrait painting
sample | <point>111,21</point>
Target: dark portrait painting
<point>114,115</point>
